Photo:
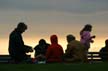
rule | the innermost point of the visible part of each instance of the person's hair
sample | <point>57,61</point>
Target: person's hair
<point>42,41</point>
<point>87,27</point>
<point>106,42</point>
<point>70,37</point>
<point>21,25</point>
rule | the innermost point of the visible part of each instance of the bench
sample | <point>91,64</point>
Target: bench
<point>4,58</point>
<point>7,59</point>
<point>94,56</point>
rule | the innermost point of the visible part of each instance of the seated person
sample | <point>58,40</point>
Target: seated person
<point>40,50</point>
<point>55,51</point>
<point>103,50</point>
<point>17,49</point>
<point>76,51</point>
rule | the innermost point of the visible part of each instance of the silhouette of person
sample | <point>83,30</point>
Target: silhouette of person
<point>75,51</point>
<point>40,51</point>
<point>17,49</point>
<point>55,51</point>
<point>41,48</point>
<point>86,37</point>
<point>104,51</point>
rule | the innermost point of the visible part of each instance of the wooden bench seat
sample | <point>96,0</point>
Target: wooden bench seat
<point>94,56</point>
<point>6,59</point>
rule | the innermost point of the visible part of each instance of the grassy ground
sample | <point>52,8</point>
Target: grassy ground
<point>55,67</point>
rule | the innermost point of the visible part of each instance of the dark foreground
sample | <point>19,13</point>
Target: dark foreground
<point>55,67</point>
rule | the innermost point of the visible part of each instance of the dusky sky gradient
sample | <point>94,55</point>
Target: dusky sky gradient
<point>47,17</point>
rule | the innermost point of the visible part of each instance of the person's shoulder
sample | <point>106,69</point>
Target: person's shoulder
<point>14,34</point>
<point>55,46</point>
<point>48,44</point>
<point>75,42</point>
<point>36,46</point>
<point>102,49</point>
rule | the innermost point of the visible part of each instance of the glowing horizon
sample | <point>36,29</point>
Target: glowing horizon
<point>96,46</point>
<point>47,17</point>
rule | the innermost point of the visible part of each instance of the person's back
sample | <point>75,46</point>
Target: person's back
<point>75,51</point>
<point>16,45</point>
<point>104,52</point>
<point>79,52</point>
<point>54,51</point>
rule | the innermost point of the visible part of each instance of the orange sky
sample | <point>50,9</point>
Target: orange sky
<point>62,40</point>
<point>47,17</point>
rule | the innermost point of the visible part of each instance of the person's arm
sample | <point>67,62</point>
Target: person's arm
<point>93,36</point>
<point>28,48</point>
<point>20,43</point>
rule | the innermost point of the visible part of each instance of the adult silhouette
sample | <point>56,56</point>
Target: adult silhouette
<point>17,49</point>
<point>104,51</point>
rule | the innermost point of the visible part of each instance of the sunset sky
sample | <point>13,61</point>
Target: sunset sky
<point>47,17</point>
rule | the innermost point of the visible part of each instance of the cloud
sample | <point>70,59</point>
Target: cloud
<point>74,6</point>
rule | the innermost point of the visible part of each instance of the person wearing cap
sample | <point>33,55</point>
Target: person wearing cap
<point>17,49</point>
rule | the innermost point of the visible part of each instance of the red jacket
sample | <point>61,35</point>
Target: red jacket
<point>55,51</point>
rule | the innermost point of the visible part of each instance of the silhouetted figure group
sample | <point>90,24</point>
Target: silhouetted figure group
<point>76,51</point>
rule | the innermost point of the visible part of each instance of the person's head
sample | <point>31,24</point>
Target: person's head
<point>54,39</point>
<point>21,27</point>
<point>106,42</point>
<point>87,27</point>
<point>42,41</point>
<point>70,38</point>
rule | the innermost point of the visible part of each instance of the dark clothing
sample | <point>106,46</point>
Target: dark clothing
<point>17,49</point>
<point>41,49</point>
<point>103,55</point>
